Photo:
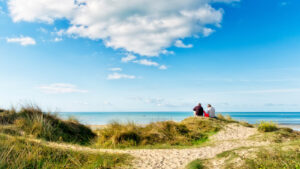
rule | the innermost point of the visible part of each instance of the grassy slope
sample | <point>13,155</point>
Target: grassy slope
<point>18,152</point>
<point>283,152</point>
<point>21,153</point>
<point>32,121</point>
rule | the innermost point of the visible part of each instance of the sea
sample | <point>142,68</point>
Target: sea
<point>102,118</point>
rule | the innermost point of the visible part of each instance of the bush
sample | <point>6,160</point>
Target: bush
<point>22,154</point>
<point>49,127</point>
<point>190,131</point>
<point>265,126</point>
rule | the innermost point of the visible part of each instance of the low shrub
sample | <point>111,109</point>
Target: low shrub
<point>265,126</point>
<point>22,154</point>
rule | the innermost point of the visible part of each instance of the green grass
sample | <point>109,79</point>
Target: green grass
<point>22,154</point>
<point>189,132</point>
<point>196,164</point>
<point>276,158</point>
<point>34,122</point>
<point>265,126</point>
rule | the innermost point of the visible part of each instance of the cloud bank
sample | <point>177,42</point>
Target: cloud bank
<point>144,27</point>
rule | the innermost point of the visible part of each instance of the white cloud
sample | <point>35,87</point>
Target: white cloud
<point>43,30</point>
<point>40,10</point>
<point>58,88</point>
<point>146,62</point>
<point>128,58</point>
<point>116,76</point>
<point>142,27</point>
<point>180,44</point>
<point>163,67</point>
<point>57,39</point>
<point>24,41</point>
<point>115,69</point>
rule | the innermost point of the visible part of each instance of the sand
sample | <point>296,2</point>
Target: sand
<point>231,137</point>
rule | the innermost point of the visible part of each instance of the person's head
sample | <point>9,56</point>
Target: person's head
<point>199,104</point>
<point>209,105</point>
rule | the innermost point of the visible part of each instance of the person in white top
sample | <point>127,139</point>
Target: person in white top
<point>211,111</point>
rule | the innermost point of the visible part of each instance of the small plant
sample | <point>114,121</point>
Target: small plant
<point>196,164</point>
<point>265,126</point>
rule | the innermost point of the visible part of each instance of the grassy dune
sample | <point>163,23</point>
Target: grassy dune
<point>282,153</point>
<point>16,151</point>
<point>32,121</point>
<point>21,153</point>
<point>191,131</point>
<point>19,129</point>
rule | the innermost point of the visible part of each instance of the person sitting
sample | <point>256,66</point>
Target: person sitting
<point>211,111</point>
<point>198,110</point>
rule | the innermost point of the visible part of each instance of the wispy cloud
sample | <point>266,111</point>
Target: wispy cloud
<point>57,39</point>
<point>269,91</point>
<point>180,44</point>
<point>283,3</point>
<point>60,88</point>
<point>128,58</point>
<point>115,69</point>
<point>146,62</point>
<point>116,76</point>
<point>24,41</point>
<point>2,11</point>
<point>163,67</point>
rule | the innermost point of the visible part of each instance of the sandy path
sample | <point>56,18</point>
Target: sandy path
<point>233,136</point>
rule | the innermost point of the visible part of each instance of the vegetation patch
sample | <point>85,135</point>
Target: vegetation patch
<point>22,154</point>
<point>32,121</point>
<point>196,164</point>
<point>276,158</point>
<point>190,131</point>
<point>265,126</point>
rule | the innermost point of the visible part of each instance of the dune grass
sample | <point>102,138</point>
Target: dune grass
<point>276,158</point>
<point>190,131</point>
<point>34,122</point>
<point>267,126</point>
<point>23,154</point>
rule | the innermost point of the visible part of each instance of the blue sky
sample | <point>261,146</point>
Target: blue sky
<point>97,55</point>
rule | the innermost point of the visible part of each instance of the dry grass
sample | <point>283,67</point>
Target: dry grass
<point>278,157</point>
<point>190,131</point>
<point>266,126</point>
<point>23,154</point>
<point>31,120</point>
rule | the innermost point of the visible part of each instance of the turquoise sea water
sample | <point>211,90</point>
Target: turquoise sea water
<point>94,118</point>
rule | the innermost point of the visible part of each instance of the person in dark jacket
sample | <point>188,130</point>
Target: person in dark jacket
<point>198,110</point>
